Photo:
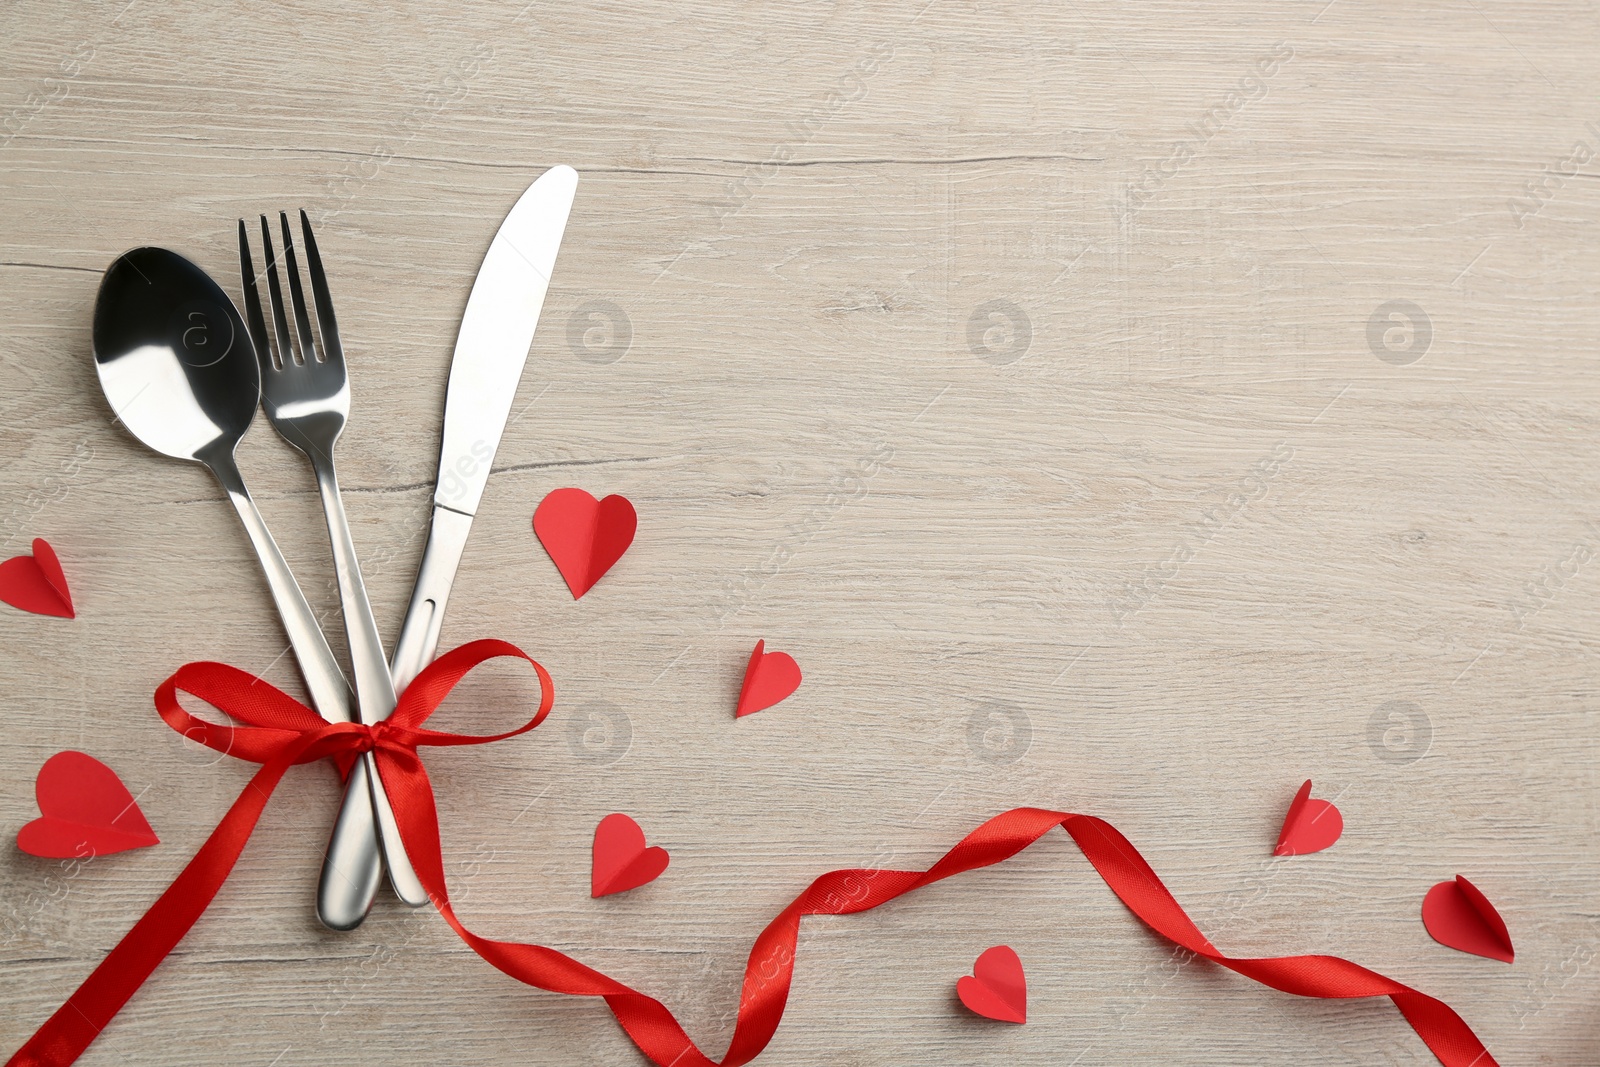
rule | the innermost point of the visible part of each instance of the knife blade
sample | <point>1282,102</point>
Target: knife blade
<point>491,350</point>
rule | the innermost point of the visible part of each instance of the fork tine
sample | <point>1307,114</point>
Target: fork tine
<point>332,350</point>
<point>285,345</point>
<point>252,302</point>
<point>302,321</point>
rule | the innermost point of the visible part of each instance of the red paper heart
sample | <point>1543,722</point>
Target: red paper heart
<point>85,810</point>
<point>1310,826</point>
<point>997,988</point>
<point>1459,916</point>
<point>35,583</point>
<point>584,536</point>
<point>768,678</point>
<point>621,860</point>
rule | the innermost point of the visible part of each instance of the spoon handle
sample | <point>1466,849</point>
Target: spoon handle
<point>330,693</point>
<point>354,864</point>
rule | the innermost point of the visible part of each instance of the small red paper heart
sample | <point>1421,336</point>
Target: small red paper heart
<point>85,810</point>
<point>584,536</point>
<point>1459,916</point>
<point>36,583</point>
<point>1310,826</point>
<point>997,988</point>
<point>621,860</point>
<point>768,678</point>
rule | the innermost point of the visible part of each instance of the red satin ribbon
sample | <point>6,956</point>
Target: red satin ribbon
<point>283,732</point>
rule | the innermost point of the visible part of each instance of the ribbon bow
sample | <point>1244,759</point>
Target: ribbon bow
<point>282,732</point>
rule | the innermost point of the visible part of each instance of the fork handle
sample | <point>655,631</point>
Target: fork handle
<point>375,699</point>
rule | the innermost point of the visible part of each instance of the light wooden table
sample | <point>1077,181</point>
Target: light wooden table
<point>1052,406</point>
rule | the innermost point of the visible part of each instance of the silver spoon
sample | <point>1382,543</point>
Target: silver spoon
<point>177,365</point>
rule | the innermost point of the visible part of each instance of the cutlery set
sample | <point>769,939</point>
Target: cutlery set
<point>184,372</point>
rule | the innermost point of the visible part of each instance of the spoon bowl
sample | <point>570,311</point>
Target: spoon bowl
<point>179,368</point>
<point>174,357</point>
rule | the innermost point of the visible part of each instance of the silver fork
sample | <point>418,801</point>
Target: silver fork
<point>306,394</point>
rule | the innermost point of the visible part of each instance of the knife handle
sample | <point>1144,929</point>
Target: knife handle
<point>419,634</point>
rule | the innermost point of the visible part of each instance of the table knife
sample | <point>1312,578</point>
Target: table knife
<point>491,349</point>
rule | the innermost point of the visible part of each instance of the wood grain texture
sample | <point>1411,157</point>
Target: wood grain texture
<point>991,360</point>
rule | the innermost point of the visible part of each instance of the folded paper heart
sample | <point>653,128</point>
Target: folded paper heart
<point>85,810</point>
<point>36,583</point>
<point>997,988</point>
<point>621,860</point>
<point>280,732</point>
<point>1459,916</point>
<point>1311,825</point>
<point>768,678</point>
<point>584,536</point>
